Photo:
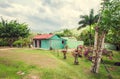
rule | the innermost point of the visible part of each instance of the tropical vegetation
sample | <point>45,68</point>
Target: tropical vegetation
<point>11,31</point>
<point>88,20</point>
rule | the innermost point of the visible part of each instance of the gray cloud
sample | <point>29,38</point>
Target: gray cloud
<point>39,20</point>
<point>47,15</point>
<point>53,4</point>
<point>4,5</point>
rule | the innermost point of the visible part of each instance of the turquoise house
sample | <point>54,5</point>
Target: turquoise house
<point>48,41</point>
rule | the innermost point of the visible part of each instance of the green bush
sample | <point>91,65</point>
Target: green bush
<point>3,42</point>
<point>18,43</point>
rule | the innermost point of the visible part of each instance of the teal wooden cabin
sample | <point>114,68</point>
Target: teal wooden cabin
<point>48,41</point>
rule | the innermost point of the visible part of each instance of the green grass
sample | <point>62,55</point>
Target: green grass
<point>9,69</point>
<point>62,69</point>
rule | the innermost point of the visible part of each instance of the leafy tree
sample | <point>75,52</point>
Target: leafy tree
<point>109,20</point>
<point>115,22</point>
<point>12,30</point>
<point>88,20</point>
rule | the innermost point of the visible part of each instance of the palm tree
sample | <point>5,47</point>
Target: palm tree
<point>88,20</point>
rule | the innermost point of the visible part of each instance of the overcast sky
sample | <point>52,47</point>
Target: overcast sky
<point>47,15</point>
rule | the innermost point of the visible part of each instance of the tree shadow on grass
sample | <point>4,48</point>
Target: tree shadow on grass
<point>108,62</point>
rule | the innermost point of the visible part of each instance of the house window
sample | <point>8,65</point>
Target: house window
<point>63,42</point>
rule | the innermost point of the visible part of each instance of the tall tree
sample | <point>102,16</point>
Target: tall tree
<point>12,30</point>
<point>88,20</point>
<point>109,20</point>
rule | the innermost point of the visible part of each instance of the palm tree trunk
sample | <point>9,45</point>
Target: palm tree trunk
<point>90,37</point>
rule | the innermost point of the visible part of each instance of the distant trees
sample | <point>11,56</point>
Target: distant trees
<point>84,35</point>
<point>88,20</point>
<point>11,31</point>
<point>65,33</point>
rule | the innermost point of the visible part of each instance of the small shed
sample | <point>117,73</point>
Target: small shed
<point>110,46</point>
<point>72,42</point>
<point>48,41</point>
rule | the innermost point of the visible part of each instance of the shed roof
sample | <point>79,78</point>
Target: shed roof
<point>43,36</point>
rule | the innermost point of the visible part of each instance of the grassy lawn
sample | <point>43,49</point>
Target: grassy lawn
<point>26,63</point>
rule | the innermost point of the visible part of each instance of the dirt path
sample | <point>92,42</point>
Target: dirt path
<point>29,58</point>
<point>7,48</point>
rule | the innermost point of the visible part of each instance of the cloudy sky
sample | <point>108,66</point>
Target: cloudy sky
<point>47,15</point>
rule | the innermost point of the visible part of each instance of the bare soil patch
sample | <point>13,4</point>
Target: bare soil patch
<point>30,58</point>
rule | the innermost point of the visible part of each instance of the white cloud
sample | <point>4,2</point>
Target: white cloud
<point>47,15</point>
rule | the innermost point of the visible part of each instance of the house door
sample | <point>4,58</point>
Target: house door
<point>40,43</point>
<point>35,43</point>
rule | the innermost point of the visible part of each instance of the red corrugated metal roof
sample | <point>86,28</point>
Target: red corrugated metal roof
<point>43,36</point>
